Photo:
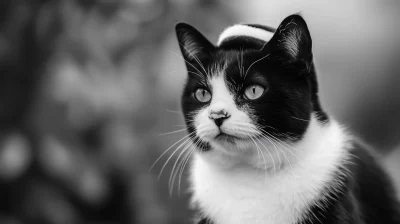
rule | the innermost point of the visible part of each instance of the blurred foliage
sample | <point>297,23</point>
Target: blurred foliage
<point>87,86</point>
<point>77,110</point>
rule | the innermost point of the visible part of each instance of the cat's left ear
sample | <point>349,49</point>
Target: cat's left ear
<point>292,40</point>
<point>193,45</point>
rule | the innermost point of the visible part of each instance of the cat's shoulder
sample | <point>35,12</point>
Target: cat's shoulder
<point>367,195</point>
<point>372,186</point>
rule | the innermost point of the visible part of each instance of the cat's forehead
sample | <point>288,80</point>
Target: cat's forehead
<point>233,63</point>
<point>236,45</point>
<point>225,65</point>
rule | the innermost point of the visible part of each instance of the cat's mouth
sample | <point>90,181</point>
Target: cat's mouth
<point>226,137</point>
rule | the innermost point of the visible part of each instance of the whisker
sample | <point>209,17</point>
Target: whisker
<point>288,147</point>
<point>270,155</point>
<point>173,171</point>
<point>174,111</point>
<point>195,58</point>
<point>169,158</point>
<point>266,126</point>
<point>276,148</point>
<point>173,132</point>
<point>183,168</point>
<point>169,148</point>
<point>258,154</point>
<point>263,46</point>
<point>240,62</point>
<point>203,76</point>
<point>245,74</point>
<point>300,119</point>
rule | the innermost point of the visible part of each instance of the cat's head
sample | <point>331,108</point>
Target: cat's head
<point>256,83</point>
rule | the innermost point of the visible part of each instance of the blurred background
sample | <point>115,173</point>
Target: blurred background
<point>88,86</point>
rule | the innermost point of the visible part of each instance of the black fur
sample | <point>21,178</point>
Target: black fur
<point>291,96</point>
<point>284,111</point>
<point>367,197</point>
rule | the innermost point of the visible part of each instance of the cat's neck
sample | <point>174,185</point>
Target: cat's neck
<point>275,195</point>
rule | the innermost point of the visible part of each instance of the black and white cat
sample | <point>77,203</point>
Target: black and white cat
<point>266,152</point>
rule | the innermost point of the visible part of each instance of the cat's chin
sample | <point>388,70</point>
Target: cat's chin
<point>230,144</point>
<point>223,137</point>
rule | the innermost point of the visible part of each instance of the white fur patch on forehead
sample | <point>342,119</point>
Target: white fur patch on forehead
<point>245,30</point>
<point>220,89</point>
<point>218,69</point>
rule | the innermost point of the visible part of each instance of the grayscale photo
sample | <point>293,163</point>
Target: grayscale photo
<point>199,112</point>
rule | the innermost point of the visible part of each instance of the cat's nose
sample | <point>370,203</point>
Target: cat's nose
<point>219,116</point>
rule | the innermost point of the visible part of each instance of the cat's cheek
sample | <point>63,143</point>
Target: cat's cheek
<point>250,112</point>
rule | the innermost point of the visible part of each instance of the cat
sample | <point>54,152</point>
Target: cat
<point>265,150</point>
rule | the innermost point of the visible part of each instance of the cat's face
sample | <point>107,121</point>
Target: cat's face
<point>245,92</point>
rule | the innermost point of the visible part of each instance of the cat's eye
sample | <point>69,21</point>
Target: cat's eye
<point>202,95</point>
<point>254,92</point>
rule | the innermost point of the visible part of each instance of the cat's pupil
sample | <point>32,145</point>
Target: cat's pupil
<point>254,90</point>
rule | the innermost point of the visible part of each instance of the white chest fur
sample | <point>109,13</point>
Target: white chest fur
<point>245,195</point>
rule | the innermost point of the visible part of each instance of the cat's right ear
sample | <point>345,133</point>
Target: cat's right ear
<point>193,45</point>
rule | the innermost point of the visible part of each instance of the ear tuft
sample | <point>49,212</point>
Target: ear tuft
<point>192,43</point>
<point>293,38</point>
